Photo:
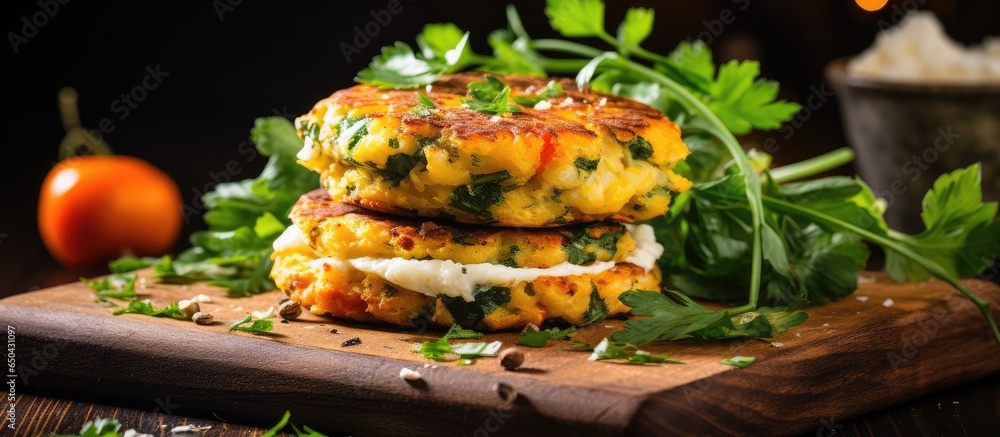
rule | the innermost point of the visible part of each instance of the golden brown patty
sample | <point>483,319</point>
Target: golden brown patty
<point>346,231</point>
<point>314,269</point>
<point>581,156</point>
<point>581,299</point>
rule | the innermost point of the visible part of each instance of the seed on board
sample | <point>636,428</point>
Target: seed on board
<point>202,318</point>
<point>290,310</point>
<point>189,307</point>
<point>511,358</point>
<point>283,300</point>
<point>507,393</point>
<point>351,342</point>
<point>335,331</point>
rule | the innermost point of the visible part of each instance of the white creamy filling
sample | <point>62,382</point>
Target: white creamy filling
<point>309,150</point>
<point>443,277</point>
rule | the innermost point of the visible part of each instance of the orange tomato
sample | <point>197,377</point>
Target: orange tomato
<point>95,208</point>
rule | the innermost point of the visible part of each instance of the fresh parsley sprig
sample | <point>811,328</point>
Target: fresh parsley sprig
<point>738,224</point>
<point>244,218</point>
<point>261,325</point>
<point>118,286</point>
<point>145,307</point>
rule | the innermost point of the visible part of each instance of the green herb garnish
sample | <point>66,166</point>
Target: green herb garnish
<point>486,301</point>
<point>484,192</point>
<point>145,307</point>
<point>259,326</point>
<point>99,427</point>
<point>457,332</point>
<point>424,108</point>
<point>582,249</point>
<point>534,337</point>
<point>490,96</point>
<point>597,308</point>
<point>739,361</point>
<point>243,219</point>
<point>551,90</point>
<point>118,286</point>
<point>639,148</point>
<point>587,165</point>
<point>627,354</point>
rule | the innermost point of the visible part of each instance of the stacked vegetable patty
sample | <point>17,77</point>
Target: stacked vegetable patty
<point>492,202</point>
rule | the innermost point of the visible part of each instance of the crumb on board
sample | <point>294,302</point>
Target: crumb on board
<point>861,298</point>
<point>888,302</point>
<point>777,344</point>
<point>408,374</point>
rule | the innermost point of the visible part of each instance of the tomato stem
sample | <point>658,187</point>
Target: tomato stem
<point>78,140</point>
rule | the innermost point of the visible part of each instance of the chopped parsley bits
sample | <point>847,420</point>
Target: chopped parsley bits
<point>739,361</point>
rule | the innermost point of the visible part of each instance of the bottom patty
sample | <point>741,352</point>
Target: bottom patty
<point>579,299</point>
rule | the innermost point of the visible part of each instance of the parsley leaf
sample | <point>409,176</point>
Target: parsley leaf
<point>490,96</point>
<point>512,55</point>
<point>743,102</point>
<point>587,165</point>
<point>424,107</point>
<point>576,18</point>
<point>627,354</point>
<point>638,147</point>
<point>487,300</point>
<point>582,248</point>
<point>399,68</point>
<point>532,336</point>
<point>145,307</point>
<point>99,427</point>
<point>436,350</point>
<point>551,90</point>
<point>127,264</point>
<point>259,326</point>
<point>636,27</point>
<point>118,286</point>
<point>484,192</point>
<point>962,233</point>
<point>597,309</point>
<point>447,42</point>
<point>675,316</point>
<point>458,332</point>
<point>442,350</point>
<point>739,361</point>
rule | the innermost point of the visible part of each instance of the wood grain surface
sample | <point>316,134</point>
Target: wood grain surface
<point>850,358</point>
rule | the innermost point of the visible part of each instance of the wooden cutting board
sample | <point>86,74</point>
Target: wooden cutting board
<point>851,357</point>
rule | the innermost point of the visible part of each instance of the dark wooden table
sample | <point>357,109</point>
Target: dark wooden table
<point>972,409</point>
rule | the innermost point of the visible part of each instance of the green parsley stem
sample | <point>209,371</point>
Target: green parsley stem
<point>563,46</point>
<point>812,166</point>
<point>648,55</point>
<point>514,21</point>
<point>934,268</point>
<point>719,130</point>
<point>563,65</point>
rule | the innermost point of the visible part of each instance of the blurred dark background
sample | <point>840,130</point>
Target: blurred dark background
<point>228,62</point>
